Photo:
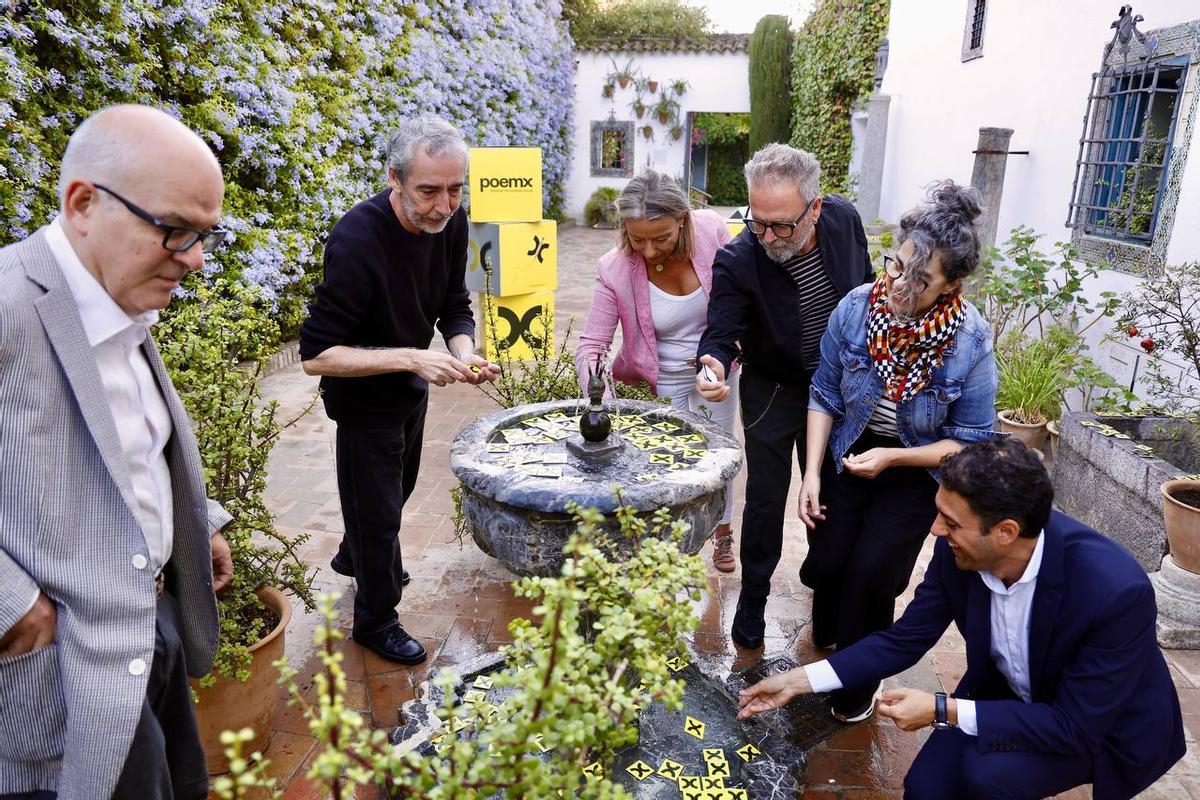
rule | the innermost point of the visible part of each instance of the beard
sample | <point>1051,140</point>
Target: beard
<point>783,250</point>
<point>427,223</point>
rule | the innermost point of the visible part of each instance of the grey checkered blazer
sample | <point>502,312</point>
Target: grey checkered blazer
<point>68,712</point>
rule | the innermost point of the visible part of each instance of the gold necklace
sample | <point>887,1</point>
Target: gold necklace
<point>659,267</point>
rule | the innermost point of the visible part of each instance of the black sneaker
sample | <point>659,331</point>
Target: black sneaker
<point>748,624</point>
<point>345,568</point>
<point>394,644</point>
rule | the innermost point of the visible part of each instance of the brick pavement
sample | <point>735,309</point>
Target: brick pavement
<point>459,603</point>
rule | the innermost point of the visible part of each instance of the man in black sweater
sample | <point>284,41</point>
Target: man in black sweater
<point>774,287</point>
<point>394,268</point>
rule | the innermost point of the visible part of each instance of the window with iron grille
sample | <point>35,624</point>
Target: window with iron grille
<point>1125,150</point>
<point>972,45</point>
<point>612,149</point>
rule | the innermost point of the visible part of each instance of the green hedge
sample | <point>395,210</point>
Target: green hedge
<point>833,65</point>
<point>770,82</point>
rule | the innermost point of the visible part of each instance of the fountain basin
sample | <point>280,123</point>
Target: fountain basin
<point>519,478</point>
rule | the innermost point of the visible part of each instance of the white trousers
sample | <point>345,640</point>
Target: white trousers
<point>681,388</point>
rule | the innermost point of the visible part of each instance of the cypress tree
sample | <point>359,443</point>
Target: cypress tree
<point>770,81</point>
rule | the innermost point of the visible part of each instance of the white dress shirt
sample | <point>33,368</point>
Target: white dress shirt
<point>1011,609</point>
<point>142,420</point>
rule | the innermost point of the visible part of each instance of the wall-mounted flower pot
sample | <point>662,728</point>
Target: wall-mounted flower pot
<point>652,86</point>
<point>608,90</point>
<point>1032,435</point>
<point>1181,513</point>
<point>639,110</point>
<point>664,117</point>
<point>623,81</point>
<point>647,131</point>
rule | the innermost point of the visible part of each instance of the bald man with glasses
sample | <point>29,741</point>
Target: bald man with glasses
<point>774,287</point>
<point>109,552</point>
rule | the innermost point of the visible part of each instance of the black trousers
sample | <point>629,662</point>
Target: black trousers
<point>861,557</point>
<point>773,419</point>
<point>376,471</point>
<point>166,759</point>
<point>951,764</point>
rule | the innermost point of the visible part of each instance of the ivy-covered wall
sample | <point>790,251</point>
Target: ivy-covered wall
<point>295,99</point>
<point>727,137</point>
<point>833,65</point>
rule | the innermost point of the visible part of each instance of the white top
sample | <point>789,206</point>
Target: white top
<point>1010,618</point>
<point>142,420</point>
<point>679,320</point>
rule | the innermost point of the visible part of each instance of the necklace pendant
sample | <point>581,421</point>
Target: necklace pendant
<point>658,267</point>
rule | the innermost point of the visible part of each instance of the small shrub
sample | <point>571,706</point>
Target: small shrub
<point>600,209</point>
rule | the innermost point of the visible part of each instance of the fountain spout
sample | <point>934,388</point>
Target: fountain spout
<point>595,425</point>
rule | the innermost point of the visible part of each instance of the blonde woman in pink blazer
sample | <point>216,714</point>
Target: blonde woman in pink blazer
<point>655,283</point>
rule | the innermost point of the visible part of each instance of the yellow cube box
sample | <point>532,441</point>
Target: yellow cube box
<point>735,221</point>
<point>506,184</point>
<point>518,326</point>
<point>522,257</point>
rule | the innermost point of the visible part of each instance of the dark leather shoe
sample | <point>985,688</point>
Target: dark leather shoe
<point>748,625</point>
<point>394,644</point>
<point>345,568</point>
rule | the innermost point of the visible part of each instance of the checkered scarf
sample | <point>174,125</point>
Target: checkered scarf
<point>907,353</point>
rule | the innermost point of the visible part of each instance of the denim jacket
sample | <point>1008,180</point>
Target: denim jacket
<point>957,403</point>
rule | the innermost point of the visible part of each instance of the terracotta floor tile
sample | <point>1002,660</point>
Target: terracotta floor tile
<point>287,752</point>
<point>507,611</point>
<point>388,691</point>
<point>842,767</point>
<point>377,665</point>
<point>468,638</point>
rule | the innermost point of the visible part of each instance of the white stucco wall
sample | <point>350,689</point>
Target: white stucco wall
<point>718,82</point>
<point>1033,77</point>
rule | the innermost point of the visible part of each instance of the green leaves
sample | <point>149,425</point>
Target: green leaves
<point>578,673</point>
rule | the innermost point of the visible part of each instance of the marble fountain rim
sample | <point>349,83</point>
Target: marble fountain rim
<point>550,495</point>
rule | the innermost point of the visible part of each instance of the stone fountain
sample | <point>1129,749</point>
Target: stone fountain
<point>521,469</point>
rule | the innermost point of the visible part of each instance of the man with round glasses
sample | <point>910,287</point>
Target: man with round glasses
<point>106,557</point>
<point>774,287</point>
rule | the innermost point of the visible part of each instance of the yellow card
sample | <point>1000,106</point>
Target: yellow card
<point>482,682</point>
<point>474,696</point>
<point>670,769</point>
<point>737,794</point>
<point>718,769</point>
<point>689,783</point>
<point>594,770</point>
<point>640,770</point>
<point>694,727</point>
<point>748,752</point>
<point>710,782</point>
<point>713,753</point>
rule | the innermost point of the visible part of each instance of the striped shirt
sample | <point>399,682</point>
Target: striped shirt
<point>883,419</point>
<point>818,298</point>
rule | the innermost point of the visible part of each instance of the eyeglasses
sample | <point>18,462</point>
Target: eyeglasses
<point>783,230</point>
<point>895,269</point>
<point>176,238</point>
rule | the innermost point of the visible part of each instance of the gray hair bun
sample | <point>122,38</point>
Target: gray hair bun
<point>945,222</point>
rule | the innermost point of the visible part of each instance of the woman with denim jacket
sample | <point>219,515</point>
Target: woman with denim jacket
<point>906,377</point>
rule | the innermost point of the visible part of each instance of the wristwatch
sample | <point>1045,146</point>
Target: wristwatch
<point>941,718</point>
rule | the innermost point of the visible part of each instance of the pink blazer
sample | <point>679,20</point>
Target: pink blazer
<point>622,294</point>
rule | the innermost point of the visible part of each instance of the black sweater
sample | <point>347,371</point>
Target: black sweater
<point>385,287</point>
<point>755,301</point>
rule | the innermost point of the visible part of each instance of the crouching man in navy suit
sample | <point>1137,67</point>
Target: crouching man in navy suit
<point>1065,684</point>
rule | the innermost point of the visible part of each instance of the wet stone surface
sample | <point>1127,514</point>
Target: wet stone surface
<point>700,749</point>
<point>520,478</point>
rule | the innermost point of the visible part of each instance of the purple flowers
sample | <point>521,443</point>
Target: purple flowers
<point>295,98</point>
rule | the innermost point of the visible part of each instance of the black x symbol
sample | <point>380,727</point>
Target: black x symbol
<point>640,771</point>
<point>689,782</point>
<point>519,328</point>
<point>693,727</point>
<point>693,796</point>
<point>717,795</point>
<point>718,769</point>
<point>539,247</point>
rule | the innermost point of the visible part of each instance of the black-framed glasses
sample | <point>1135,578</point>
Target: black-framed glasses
<point>783,230</point>
<point>895,268</point>
<point>176,238</point>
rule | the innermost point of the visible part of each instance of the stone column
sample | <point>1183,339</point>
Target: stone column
<point>1177,593</point>
<point>988,177</point>
<point>874,148</point>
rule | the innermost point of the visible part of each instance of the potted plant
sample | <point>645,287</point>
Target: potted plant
<point>639,108</point>
<point>647,131</point>
<point>665,108</point>
<point>679,86</point>
<point>651,85</point>
<point>608,90</point>
<point>676,132</point>
<point>1181,514</point>
<point>624,74</point>
<point>1033,374</point>
<point>216,347</point>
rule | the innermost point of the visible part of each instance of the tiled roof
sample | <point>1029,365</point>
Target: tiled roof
<point>712,43</point>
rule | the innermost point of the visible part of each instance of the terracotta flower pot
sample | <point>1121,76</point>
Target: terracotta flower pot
<point>664,117</point>
<point>1032,435</point>
<point>652,86</point>
<point>1181,513</point>
<point>1052,429</point>
<point>233,705</point>
<point>623,80</point>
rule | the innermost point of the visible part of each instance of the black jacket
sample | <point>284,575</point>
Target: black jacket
<point>754,301</point>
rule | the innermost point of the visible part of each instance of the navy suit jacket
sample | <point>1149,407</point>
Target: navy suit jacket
<point>1100,685</point>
